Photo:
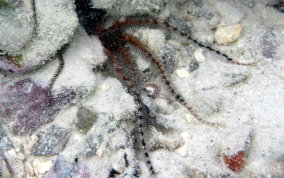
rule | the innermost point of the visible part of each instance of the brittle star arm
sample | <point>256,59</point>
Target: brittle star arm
<point>129,62</point>
<point>137,100</point>
<point>55,76</point>
<point>155,23</point>
<point>142,47</point>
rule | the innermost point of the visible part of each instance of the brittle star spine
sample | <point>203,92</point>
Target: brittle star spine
<point>137,99</point>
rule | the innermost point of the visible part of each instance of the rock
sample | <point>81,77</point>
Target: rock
<point>168,58</point>
<point>93,142</point>
<point>153,38</point>
<point>198,3</point>
<point>268,44</point>
<point>168,141</point>
<point>24,105</point>
<point>63,168</point>
<point>27,144</point>
<point>15,20</point>
<point>182,73</point>
<point>227,35</point>
<point>193,65</point>
<point>119,164</point>
<point>52,32</point>
<point>127,7</point>
<point>235,162</point>
<point>85,119</point>
<point>21,156</point>
<point>29,169</point>
<point>234,154</point>
<point>41,167</point>
<point>52,142</point>
<point>5,143</point>
<point>188,118</point>
<point>180,23</point>
<point>249,3</point>
<point>235,79</point>
<point>13,165</point>
<point>152,90</point>
<point>230,14</point>
<point>198,55</point>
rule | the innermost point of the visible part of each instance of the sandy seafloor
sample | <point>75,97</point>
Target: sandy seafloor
<point>246,99</point>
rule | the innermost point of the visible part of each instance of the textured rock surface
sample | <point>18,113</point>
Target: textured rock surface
<point>15,21</point>
<point>5,142</point>
<point>24,105</point>
<point>51,33</point>
<point>228,34</point>
<point>52,142</point>
<point>65,168</point>
<point>127,7</point>
<point>85,119</point>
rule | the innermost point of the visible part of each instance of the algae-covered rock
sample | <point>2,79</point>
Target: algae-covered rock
<point>8,3</point>
<point>56,21</point>
<point>17,24</point>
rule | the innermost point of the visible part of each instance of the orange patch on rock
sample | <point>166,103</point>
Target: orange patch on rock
<point>236,161</point>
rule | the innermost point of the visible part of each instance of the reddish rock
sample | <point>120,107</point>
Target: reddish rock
<point>24,105</point>
<point>235,162</point>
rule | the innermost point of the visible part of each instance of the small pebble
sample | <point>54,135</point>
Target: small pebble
<point>193,65</point>
<point>235,79</point>
<point>188,118</point>
<point>182,73</point>
<point>249,3</point>
<point>227,35</point>
<point>182,150</point>
<point>29,169</point>
<point>85,119</point>
<point>42,167</point>
<point>198,55</point>
<point>152,90</point>
<point>21,156</point>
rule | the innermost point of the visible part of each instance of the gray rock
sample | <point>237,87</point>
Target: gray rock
<point>235,79</point>
<point>52,142</point>
<point>17,24</point>
<point>198,3</point>
<point>169,60</point>
<point>272,43</point>
<point>180,23</point>
<point>93,142</point>
<point>85,119</point>
<point>193,65</point>
<point>128,7</point>
<point>249,3</point>
<point>5,142</point>
<point>64,168</point>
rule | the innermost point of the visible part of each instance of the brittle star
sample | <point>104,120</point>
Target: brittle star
<point>114,40</point>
